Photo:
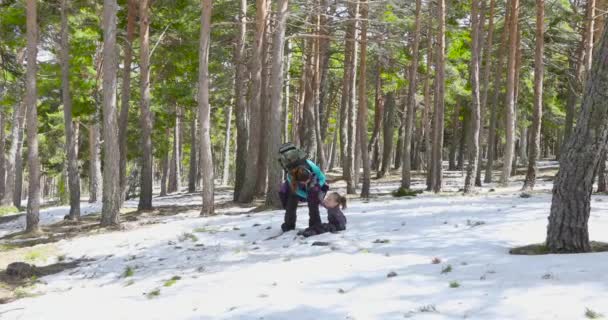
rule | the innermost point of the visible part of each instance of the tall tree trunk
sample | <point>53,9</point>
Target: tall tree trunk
<point>204,110</point>
<point>389,131</point>
<point>71,137</point>
<point>192,170</point>
<point>247,191</point>
<point>240,93</point>
<point>18,190</point>
<point>287,94</point>
<point>145,192</point>
<point>346,83</point>
<point>475,115</point>
<point>427,115</point>
<point>227,141</point>
<point>601,175</point>
<point>510,96</point>
<point>260,187</point>
<point>164,171</point>
<point>362,116</point>
<point>31,98</point>
<point>589,33</point>
<point>493,128</point>
<point>410,115</point>
<point>274,138</point>
<point>374,143</point>
<point>2,154</point>
<point>455,141</point>
<point>538,97</point>
<point>570,207</point>
<point>485,82</point>
<point>13,153</point>
<point>350,163</point>
<point>439,100</point>
<point>175,172</point>
<point>125,97</point>
<point>111,161</point>
<point>95,179</point>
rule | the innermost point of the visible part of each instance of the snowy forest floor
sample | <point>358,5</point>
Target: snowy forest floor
<point>440,256</point>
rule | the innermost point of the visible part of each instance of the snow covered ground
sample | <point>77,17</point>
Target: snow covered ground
<point>227,270</point>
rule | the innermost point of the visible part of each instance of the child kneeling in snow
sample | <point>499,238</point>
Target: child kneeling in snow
<point>334,203</point>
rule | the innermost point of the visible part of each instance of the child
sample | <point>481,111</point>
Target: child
<point>334,203</point>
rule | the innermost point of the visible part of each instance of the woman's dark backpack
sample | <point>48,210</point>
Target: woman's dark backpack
<point>291,156</point>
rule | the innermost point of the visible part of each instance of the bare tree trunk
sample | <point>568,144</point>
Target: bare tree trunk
<point>437,180</point>
<point>145,191</point>
<point>31,98</point>
<point>510,96</point>
<point>240,92</point>
<point>2,155</point>
<point>111,161</point>
<point>227,141</point>
<point>427,115</point>
<point>601,175</point>
<point>410,115</point>
<point>274,138</point>
<point>349,45</point>
<point>455,140</point>
<point>260,187</point>
<point>176,157</point>
<point>287,94</point>
<point>570,207</point>
<point>488,42</point>
<point>475,116</point>
<point>538,97</point>
<point>164,172</point>
<point>589,33</point>
<point>204,110</point>
<point>71,137</point>
<point>125,97</point>
<point>18,190</point>
<point>374,143</point>
<point>13,153</point>
<point>95,181</point>
<point>192,170</point>
<point>362,116</point>
<point>350,161</point>
<point>247,192</point>
<point>494,108</point>
<point>389,131</point>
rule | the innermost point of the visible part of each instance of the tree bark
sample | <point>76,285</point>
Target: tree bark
<point>95,180</point>
<point>475,115</point>
<point>601,175</point>
<point>14,154</point>
<point>111,180</point>
<point>492,130</point>
<point>362,116</point>
<point>287,90</point>
<point>247,192</point>
<point>192,170</point>
<point>240,92</point>
<point>570,207</point>
<point>374,143</point>
<point>510,95</point>
<point>349,170</point>
<point>227,141</point>
<point>18,190</point>
<point>275,172</point>
<point>31,98</point>
<point>145,192</point>
<point>589,33</point>
<point>410,115</point>
<point>427,115</point>
<point>164,172</point>
<point>125,97</point>
<point>204,110</point>
<point>538,97</point>
<point>175,172</point>
<point>71,137</point>
<point>485,82</point>
<point>389,131</point>
<point>439,100</point>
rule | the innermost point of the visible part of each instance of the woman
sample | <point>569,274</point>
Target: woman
<point>304,183</point>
